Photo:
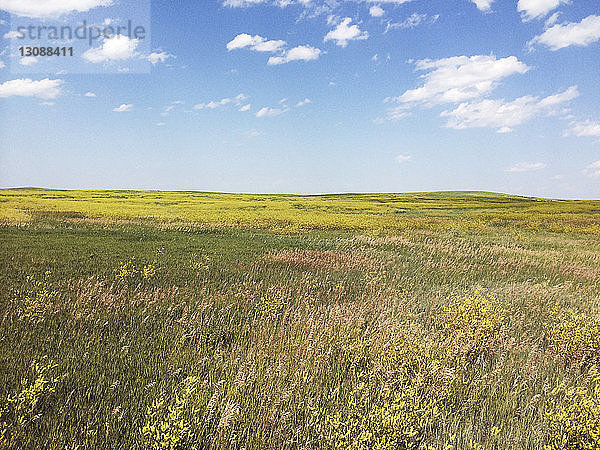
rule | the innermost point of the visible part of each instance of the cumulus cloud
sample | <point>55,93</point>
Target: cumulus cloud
<point>344,32</point>
<point>117,48</point>
<point>270,112</point>
<point>527,167</point>
<point>585,128</point>
<point>376,11</point>
<point>261,44</point>
<point>564,35</point>
<point>483,5</point>
<point>459,78</point>
<point>214,104</point>
<point>28,61</point>
<point>13,35</point>
<point>125,107</point>
<point>256,43</point>
<point>25,87</point>
<point>300,53</point>
<point>504,115</point>
<point>245,108</point>
<point>158,56</point>
<point>306,101</point>
<point>49,8</point>
<point>536,9</point>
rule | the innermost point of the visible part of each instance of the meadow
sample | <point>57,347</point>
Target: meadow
<point>189,320</point>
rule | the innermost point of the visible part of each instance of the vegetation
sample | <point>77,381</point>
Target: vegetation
<point>151,320</point>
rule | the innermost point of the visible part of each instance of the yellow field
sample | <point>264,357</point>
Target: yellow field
<point>290,213</point>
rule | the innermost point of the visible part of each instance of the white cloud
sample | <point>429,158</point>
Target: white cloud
<point>2,65</point>
<point>125,107</point>
<point>564,35</point>
<point>345,32</point>
<point>551,20</point>
<point>526,167</point>
<point>504,115</point>
<point>261,44</point>
<point>89,94</point>
<point>49,8</point>
<point>117,48</point>
<point>245,108</point>
<point>306,101</point>
<point>160,124</point>
<point>28,60</point>
<point>376,11</point>
<point>270,112</point>
<point>256,43</point>
<point>312,8</point>
<point>400,159</point>
<point>25,87</point>
<point>13,35</point>
<point>413,21</point>
<point>483,5</point>
<point>158,56</point>
<point>459,78</point>
<point>593,170</point>
<point>240,98</point>
<point>585,128</point>
<point>214,104</point>
<point>536,9</point>
<point>300,53</point>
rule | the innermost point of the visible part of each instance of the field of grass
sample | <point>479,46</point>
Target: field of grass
<point>185,320</point>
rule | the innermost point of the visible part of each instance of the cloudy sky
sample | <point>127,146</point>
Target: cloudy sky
<point>311,96</point>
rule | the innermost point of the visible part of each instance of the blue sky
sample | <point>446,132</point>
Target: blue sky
<point>311,96</point>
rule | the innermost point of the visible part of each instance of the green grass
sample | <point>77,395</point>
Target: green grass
<point>348,321</point>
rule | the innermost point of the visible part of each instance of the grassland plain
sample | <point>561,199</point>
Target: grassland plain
<point>180,320</point>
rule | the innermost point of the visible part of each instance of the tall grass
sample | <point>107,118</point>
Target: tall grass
<point>148,334</point>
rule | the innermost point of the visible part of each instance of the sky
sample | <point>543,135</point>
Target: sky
<point>307,96</point>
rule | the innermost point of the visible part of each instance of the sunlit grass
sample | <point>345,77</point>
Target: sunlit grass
<point>289,213</point>
<point>224,321</point>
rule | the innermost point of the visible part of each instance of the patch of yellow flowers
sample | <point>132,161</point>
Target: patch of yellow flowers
<point>167,426</point>
<point>473,324</point>
<point>37,300</point>
<point>130,271</point>
<point>19,410</point>
<point>574,336</point>
<point>411,385</point>
<point>574,415</point>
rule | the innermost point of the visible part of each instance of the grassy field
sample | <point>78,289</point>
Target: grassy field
<point>182,320</point>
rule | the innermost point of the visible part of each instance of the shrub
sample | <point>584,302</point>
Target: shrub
<point>574,416</point>
<point>574,336</point>
<point>473,324</point>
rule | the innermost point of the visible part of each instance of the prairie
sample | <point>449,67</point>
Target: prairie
<point>181,320</point>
